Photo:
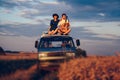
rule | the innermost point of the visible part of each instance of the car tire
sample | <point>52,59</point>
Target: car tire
<point>84,53</point>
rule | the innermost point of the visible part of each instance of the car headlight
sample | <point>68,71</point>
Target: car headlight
<point>70,54</point>
<point>42,55</point>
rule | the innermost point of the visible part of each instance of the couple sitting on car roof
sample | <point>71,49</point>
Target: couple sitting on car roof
<point>61,26</point>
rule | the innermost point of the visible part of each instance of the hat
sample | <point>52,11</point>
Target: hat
<point>55,15</point>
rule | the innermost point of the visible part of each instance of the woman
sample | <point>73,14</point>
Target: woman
<point>64,25</point>
<point>53,25</point>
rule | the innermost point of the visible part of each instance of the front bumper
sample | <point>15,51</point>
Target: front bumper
<point>47,59</point>
<point>51,61</point>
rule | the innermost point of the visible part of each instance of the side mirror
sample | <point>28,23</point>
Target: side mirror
<point>36,44</point>
<point>78,42</point>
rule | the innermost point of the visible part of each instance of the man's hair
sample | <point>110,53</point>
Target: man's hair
<point>55,15</point>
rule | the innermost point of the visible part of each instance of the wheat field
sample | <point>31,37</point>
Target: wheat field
<point>91,68</point>
<point>23,66</point>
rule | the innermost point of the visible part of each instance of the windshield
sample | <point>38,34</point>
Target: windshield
<point>56,42</point>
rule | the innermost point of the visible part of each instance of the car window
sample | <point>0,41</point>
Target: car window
<point>58,43</point>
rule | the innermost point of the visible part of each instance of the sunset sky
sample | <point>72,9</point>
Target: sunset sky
<point>95,22</point>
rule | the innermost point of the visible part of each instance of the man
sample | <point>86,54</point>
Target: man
<point>53,29</point>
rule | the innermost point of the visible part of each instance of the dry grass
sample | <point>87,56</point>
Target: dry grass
<point>20,74</point>
<point>91,68</point>
<point>23,66</point>
<point>17,66</point>
<point>18,56</point>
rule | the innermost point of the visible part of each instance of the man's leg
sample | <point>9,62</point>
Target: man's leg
<point>55,31</point>
<point>50,32</point>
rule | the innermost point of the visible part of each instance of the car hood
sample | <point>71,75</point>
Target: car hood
<point>56,50</point>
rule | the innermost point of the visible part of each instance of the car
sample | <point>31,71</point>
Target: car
<point>55,49</point>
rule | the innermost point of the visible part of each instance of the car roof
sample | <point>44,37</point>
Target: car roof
<point>46,36</point>
<point>55,37</point>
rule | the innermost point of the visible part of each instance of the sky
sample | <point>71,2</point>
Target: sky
<point>95,22</point>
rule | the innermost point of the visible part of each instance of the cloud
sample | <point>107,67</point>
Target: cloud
<point>29,13</point>
<point>7,33</point>
<point>23,29</point>
<point>78,9</point>
<point>22,0</point>
<point>21,43</point>
<point>84,30</point>
<point>84,9</point>
<point>31,9</point>
<point>49,2</point>
<point>101,14</point>
<point>118,25</point>
<point>96,30</point>
<point>7,11</point>
<point>83,33</point>
<point>17,4</point>
<point>8,4</point>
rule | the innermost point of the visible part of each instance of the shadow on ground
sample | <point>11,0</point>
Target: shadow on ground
<point>10,66</point>
<point>24,70</point>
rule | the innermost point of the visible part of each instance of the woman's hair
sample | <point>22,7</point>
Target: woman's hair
<point>64,14</point>
<point>55,15</point>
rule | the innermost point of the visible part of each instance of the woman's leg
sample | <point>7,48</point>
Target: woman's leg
<point>60,32</point>
<point>67,32</point>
